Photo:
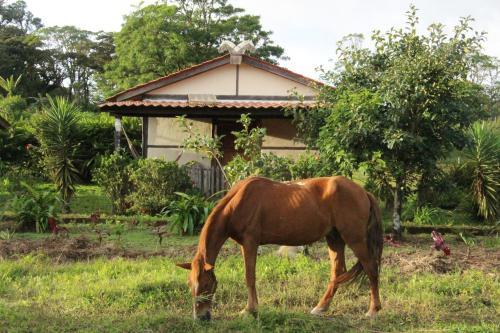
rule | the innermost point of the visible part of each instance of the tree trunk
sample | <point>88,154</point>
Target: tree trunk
<point>396,215</point>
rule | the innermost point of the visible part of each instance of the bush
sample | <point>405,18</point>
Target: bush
<point>13,108</point>
<point>33,208</point>
<point>15,143</point>
<point>155,182</point>
<point>96,138</point>
<point>442,189</point>
<point>308,165</point>
<point>265,165</point>
<point>113,175</point>
<point>275,167</point>
<point>187,213</point>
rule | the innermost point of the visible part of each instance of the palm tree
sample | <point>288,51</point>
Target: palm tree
<point>482,160</point>
<point>56,129</point>
<point>9,84</point>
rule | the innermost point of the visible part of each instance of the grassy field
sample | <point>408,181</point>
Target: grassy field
<point>130,284</point>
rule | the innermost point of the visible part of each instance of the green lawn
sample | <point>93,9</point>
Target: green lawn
<point>40,293</point>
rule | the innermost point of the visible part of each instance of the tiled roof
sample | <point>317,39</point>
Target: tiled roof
<point>218,104</point>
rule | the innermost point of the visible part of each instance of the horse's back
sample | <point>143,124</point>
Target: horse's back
<point>292,213</point>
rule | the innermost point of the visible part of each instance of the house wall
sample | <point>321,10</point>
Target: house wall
<point>222,81</point>
<point>255,81</point>
<point>218,81</point>
<point>279,139</point>
<point>165,138</point>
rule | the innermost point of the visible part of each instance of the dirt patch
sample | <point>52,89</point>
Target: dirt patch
<point>72,249</point>
<point>410,262</point>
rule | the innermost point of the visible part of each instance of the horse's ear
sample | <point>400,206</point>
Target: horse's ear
<point>186,265</point>
<point>208,267</point>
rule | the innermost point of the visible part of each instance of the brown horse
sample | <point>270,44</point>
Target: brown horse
<point>260,211</point>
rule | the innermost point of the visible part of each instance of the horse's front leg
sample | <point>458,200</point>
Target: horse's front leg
<point>249,251</point>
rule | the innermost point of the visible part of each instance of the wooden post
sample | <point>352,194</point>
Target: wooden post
<point>118,131</point>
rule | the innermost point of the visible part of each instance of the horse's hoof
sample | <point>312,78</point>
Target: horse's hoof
<point>246,312</point>
<point>371,314</point>
<point>318,311</point>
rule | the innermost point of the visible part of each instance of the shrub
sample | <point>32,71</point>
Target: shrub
<point>308,165</point>
<point>13,107</point>
<point>275,167</point>
<point>441,189</point>
<point>265,165</point>
<point>33,208</point>
<point>155,182</point>
<point>14,144</point>
<point>238,169</point>
<point>96,138</point>
<point>483,164</point>
<point>187,213</point>
<point>113,175</point>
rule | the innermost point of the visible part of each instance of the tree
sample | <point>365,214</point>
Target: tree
<point>486,72</point>
<point>19,53</point>
<point>406,102</point>
<point>162,38</point>
<point>77,56</point>
<point>56,133</point>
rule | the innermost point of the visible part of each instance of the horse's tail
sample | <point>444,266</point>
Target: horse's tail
<point>374,242</point>
<point>375,237</point>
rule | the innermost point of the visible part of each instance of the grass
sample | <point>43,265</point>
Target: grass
<point>150,294</point>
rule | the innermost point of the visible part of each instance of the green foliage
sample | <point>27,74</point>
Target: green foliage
<point>56,133</point>
<point>426,215</point>
<point>19,50</point>
<point>265,165</point>
<point>208,146</point>
<point>275,167</point>
<point>113,175</point>
<point>482,162</point>
<point>187,213</point>
<point>160,38</point>
<point>15,143</point>
<point>10,84</point>
<point>13,108</point>
<point>155,182</point>
<point>96,138</point>
<point>32,208</point>
<point>307,165</point>
<point>7,235</point>
<point>79,54</point>
<point>408,100</point>
<point>249,140</point>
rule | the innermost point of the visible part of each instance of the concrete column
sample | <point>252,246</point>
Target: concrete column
<point>118,131</point>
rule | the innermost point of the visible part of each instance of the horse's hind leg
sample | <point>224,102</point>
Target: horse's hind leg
<point>336,247</point>
<point>370,267</point>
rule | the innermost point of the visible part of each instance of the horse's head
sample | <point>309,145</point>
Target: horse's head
<point>203,283</point>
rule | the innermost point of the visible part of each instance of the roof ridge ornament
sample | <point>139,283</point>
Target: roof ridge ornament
<point>236,51</point>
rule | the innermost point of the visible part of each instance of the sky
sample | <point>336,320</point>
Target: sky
<point>307,29</point>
